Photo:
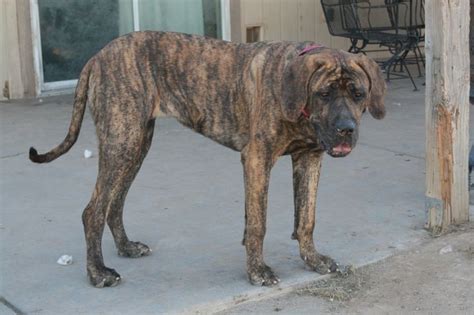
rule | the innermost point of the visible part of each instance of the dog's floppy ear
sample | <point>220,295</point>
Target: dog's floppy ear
<point>375,102</point>
<point>295,84</point>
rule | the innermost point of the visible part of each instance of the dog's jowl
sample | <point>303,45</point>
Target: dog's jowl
<point>261,99</point>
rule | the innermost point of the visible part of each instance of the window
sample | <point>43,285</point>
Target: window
<point>73,31</point>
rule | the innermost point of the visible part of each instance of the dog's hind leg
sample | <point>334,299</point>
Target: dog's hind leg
<point>125,247</point>
<point>121,153</point>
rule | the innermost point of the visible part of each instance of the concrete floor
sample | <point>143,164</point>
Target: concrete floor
<point>422,280</point>
<point>187,204</point>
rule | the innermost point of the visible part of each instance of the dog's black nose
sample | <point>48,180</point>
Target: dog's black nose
<point>345,127</point>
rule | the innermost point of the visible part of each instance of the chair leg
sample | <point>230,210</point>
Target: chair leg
<point>353,49</point>
<point>417,60</point>
<point>387,68</point>
<point>421,56</point>
<point>409,75</point>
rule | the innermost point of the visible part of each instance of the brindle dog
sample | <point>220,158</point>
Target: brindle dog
<point>264,100</point>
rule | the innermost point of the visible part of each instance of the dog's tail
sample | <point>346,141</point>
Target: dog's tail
<point>80,100</point>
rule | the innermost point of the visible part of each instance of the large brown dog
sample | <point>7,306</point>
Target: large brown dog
<point>263,99</point>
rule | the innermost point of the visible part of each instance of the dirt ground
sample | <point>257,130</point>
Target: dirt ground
<point>436,277</point>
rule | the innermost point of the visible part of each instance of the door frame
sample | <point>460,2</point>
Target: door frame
<point>61,87</point>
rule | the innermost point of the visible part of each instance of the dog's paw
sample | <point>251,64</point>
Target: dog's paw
<point>321,264</point>
<point>134,250</point>
<point>106,277</point>
<point>262,275</point>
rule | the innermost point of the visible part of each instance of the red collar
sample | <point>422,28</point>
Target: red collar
<point>310,48</point>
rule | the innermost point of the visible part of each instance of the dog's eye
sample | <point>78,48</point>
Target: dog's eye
<point>358,95</point>
<point>324,94</point>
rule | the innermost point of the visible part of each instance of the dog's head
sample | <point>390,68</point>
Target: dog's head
<point>330,89</point>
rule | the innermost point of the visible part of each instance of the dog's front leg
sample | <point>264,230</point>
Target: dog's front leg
<point>257,163</point>
<point>306,170</point>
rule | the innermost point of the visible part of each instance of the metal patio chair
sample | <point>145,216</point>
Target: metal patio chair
<point>342,20</point>
<point>396,25</point>
<point>416,29</point>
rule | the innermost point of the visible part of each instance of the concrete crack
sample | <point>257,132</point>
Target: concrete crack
<point>392,151</point>
<point>11,155</point>
<point>15,309</point>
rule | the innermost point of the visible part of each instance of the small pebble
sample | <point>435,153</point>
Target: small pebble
<point>65,260</point>
<point>87,154</point>
<point>446,250</point>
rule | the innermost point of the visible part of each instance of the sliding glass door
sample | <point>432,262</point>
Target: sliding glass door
<point>69,32</point>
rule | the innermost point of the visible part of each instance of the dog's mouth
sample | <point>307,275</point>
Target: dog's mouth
<point>340,150</point>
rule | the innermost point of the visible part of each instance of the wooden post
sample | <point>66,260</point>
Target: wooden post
<point>447,113</point>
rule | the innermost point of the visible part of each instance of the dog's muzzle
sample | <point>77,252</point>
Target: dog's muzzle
<point>345,130</point>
